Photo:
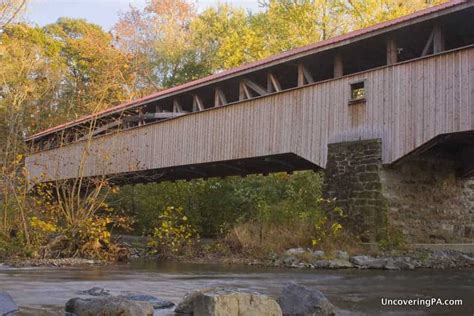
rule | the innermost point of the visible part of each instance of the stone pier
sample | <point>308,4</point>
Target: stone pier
<point>422,198</point>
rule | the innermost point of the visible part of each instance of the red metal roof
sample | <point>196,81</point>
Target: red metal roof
<point>296,53</point>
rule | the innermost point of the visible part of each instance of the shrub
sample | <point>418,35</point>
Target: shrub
<point>174,233</point>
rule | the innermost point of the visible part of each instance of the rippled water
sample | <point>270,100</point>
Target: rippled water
<point>354,291</point>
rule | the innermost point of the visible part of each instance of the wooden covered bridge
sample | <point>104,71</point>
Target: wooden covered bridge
<point>408,82</point>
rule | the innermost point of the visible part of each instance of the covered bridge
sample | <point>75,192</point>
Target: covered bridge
<point>382,96</point>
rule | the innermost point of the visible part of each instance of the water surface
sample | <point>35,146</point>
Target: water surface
<point>354,291</point>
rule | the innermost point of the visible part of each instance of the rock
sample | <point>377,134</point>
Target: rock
<point>368,262</point>
<point>390,265</point>
<point>290,261</point>
<point>95,291</point>
<point>228,302</point>
<point>404,265</point>
<point>468,259</point>
<point>104,306</point>
<point>295,252</point>
<point>186,306</point>
<point>332,264</point>
<point>339,264</point>
<point>321,264</point>
<point>318,254</point>
<point>341,254</point>
<point>299,300</point>
<point>157,303</point>
<point>7,306</point>
<point>359,260</point>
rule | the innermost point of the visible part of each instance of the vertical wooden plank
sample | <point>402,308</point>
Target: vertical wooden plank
<point>338,65</point>
<point>392,52</point>
<point>438,39</point>
<point>300,75</point>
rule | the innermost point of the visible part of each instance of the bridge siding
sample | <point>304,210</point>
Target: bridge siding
<point>407,105</point>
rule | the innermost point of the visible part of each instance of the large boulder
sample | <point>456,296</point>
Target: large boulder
<point>7,305</point>
<point>228,302</point>
<point>108,306</point>
<point>186,305</point>
<point>298,300</point>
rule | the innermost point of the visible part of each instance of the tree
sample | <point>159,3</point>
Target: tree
<point>97,75</point>
<point>226,37</point>
<point>364,13</point>
<point>28,76</point>
<point>9,10</point>
<point>159,39</point>
<point>49,75</point>
<point>287,24</point>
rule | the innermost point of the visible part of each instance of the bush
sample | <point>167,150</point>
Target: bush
<point>174,233</point>
<point>214,206</point>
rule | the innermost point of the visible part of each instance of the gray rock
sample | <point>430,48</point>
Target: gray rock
<point>341,254</point>
<point>297,300</point>
<point>7,306</point>
<point>321,264</point>
<point>95,291</point>
<point>186,305</point>
<point>467,258</point>
<point>290,260</point>
<point>390,265</point>
<point>404,265</point>
<point>229,302</point>
<point>339,264</point>
<point>359,260</point>
<point>332,264</point>
<point>105,306</point>
<point>294,252</point>
<point>368,262</point>
<point>157,303</point>
<point>318,254</point>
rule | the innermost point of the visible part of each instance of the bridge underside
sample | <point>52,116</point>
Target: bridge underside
<point>288,162</point>
<point>457,148</point>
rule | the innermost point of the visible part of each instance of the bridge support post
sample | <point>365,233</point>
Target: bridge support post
<point>422,200</point>
<point>353,179</point>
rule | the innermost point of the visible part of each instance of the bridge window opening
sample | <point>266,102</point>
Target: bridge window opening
<point>186,102</point>
<point>320,66</point>
<point>367,54</point>
<point>230,89</point>
<point>207,96</point>
<point>458,30</point>
<point>357,91</point>
<point>288,75</point>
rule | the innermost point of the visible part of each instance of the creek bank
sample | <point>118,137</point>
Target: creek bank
<point>422,258</point>
<point>59,262</point>
<point>300,258</point>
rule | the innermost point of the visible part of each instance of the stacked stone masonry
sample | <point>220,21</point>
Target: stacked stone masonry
<point>421,198</point>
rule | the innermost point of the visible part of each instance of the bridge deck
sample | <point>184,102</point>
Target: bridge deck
<point>405,105</point>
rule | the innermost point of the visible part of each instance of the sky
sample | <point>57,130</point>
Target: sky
<point>102,12</point>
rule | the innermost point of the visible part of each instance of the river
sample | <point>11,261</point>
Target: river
<point>357,292</point>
